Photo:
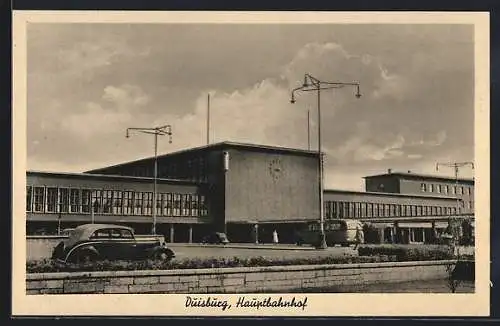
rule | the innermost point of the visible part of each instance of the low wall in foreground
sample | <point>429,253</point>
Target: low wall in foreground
<point>236,280</point>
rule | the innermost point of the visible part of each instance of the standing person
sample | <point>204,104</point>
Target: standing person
<point>359,236</point>
<point>275,237</point>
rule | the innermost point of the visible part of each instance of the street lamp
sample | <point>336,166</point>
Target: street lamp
<point>156,131</point>
<point>313,84</point>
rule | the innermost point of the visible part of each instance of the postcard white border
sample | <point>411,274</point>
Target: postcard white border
<point>476,304</point>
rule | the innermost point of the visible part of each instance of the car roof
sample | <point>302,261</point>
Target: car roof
<point>86,230</point>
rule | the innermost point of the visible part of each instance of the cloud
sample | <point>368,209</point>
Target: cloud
<point>87,87</point>
<point>125,95</point>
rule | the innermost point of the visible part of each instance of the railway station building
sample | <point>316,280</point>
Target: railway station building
<point>244,190</point>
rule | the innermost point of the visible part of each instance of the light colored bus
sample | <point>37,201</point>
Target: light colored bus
<point>337,231</point>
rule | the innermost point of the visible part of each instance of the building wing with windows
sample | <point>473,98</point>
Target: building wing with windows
<point>245,190</point>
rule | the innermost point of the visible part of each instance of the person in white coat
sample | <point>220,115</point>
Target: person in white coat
<point>275,237</point>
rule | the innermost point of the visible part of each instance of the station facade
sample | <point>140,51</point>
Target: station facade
<point>244,190</point>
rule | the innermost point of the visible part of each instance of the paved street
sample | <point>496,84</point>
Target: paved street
<point>249,250</point>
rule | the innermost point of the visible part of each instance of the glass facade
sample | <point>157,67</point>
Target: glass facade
<point>112,202</point>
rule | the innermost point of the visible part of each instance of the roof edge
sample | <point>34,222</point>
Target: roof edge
<point>112,176</point>
<point>388,194</point>
<point>419,175</point>
<point>211,146</point>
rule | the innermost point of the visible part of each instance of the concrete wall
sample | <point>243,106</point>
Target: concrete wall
<point>271,186</point>
<point>40,247</point>
<point>236,280</point>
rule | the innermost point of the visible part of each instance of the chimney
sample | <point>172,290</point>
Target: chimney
<point>389,171</point>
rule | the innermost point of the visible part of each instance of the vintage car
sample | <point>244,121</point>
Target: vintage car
<point>92,242</point>
<point>215,238</point>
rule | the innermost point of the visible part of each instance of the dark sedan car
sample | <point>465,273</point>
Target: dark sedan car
<point>91,242</point>
<point>216,238</point>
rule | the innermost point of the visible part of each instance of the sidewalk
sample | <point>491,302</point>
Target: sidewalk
<point>266,246</point>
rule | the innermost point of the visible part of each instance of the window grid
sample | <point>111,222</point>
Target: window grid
<point>74,200</point>
<point>38,199</point>
<point>29,198</point>
<point>51,206</point>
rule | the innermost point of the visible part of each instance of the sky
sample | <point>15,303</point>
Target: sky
<point>88,82</point>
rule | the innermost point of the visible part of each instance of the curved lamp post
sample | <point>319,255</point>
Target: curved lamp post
<point>313,84</point>
<point>156,131</point>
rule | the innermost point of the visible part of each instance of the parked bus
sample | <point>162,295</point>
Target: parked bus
<point>337,231</point>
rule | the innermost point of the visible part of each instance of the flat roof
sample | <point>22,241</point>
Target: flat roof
<point>388,194</point>
<point>110,176</point>
<point>225,144</point>
<point>412,175</point>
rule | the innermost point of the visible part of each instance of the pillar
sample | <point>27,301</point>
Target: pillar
<point>256,233</point>
<point>409,235</point>
<point>190,233</point>
<point>172,233</point>
<point>382,235</point>
<point>423,235</point>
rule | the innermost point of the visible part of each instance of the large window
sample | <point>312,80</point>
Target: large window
<point>63,200</point>
<point>186,203</point>
<point>86,200</point>
<point>128,202</point>
<point>194,205</point>
<point>148,203</point>
<point>159,209</point>
<point>431,188</point>
<point>29,197</point>
<point>423,187</point>
<point>74,200</point>
<point>177,205</point>
<point>97,201</point>
<point>117,202</point>
<point>363,209</point>
<point>107,201</point>
<point>387,210</point>
<point>138,203</point>
<point>38,199</point>
<point>203,206</point>
<point>167,204</point>
<point>51,200</point>
<point>357,211</point>
<point>345,210</point>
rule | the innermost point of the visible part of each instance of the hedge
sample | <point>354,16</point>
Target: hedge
<point>406,253</point>
<point>50,266</point>
<point>367,254</point>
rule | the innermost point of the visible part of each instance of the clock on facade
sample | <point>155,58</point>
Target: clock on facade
<point>275,168</point>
